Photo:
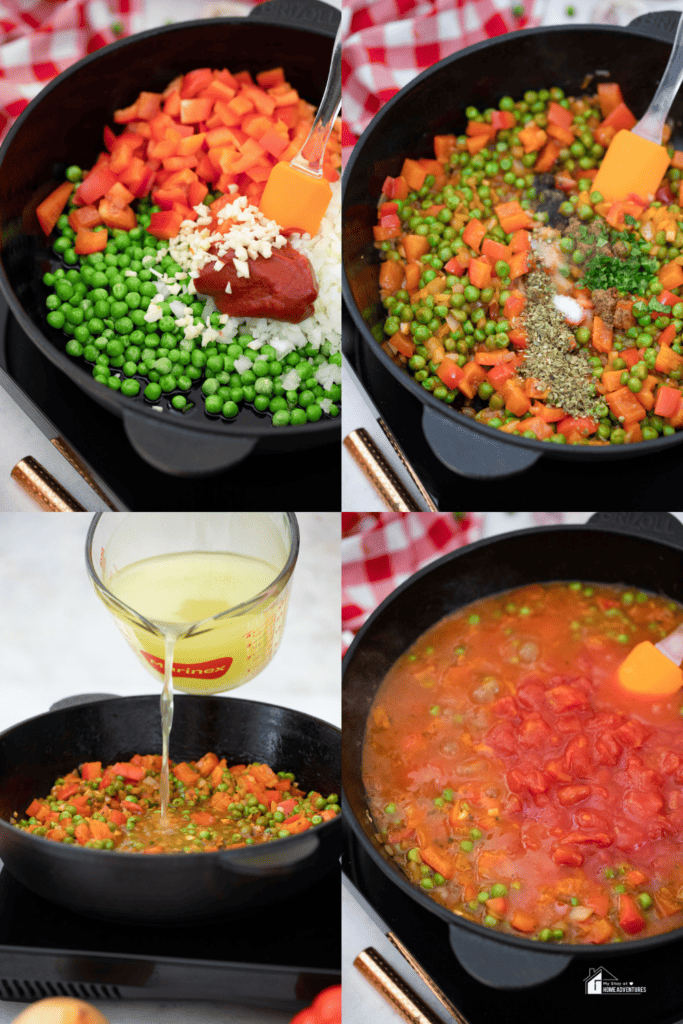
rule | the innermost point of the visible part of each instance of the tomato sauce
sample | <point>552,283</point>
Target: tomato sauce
<point>282,287</point>
<point>516,784</point>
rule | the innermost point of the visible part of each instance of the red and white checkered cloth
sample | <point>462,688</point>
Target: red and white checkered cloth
<point>396,544</point>
<point>391,41</point>
<point>40,38</point>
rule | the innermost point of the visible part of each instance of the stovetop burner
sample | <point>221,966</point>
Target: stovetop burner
<point>403,414</point>
<point>101,439</point>
<point>564,1000</point>
<point>279,958</point>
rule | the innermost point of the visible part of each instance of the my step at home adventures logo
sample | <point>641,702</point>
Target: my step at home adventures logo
<point>601,983</point>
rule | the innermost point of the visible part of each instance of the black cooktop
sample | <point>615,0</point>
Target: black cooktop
<point>278,958</point>
<point>101,439</point>
<point>649,473</point>
<point>564,1000</point>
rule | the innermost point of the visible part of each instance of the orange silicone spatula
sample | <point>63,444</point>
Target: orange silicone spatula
<point>636,160</point>
<point>296,193</point>
<point>653,669</point>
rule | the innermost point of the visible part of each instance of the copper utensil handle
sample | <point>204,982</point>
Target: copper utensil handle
<point>43,488</point>
<point>75,460</point>
<point>395,990</point>
<point>378,471</point>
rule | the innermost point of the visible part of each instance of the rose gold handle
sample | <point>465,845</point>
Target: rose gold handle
<point>40,485</point>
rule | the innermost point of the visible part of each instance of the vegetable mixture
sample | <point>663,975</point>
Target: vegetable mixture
<point>213,807</point>
<point>130,229</point>
<point>563,326</point>
<point>517,784</point>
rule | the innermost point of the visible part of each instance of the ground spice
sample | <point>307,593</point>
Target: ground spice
<point>548,357</point>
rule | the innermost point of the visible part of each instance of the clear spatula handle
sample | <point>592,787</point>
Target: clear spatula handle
<point>314,146</point>
<point>651,124</point>
<point>672,645</point>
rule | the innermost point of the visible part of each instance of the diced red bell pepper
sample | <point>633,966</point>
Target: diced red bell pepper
<point>449,373</point>
<point>50,210</point>
<point>620,117</point>
<point>609,97</point>
<point>501,119</point>
<point>195,81</point>
<point>630,918</point>
<point>96,184</point>
<point>667,401</point>
<point>165,224</point>
<point>667,335</point>
<point>499,374</point>
<point>668,298</point>
<point>558,115</point>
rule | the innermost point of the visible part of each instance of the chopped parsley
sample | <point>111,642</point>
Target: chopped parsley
<point>631,275</point>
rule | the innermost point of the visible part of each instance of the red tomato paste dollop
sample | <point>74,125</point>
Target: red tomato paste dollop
<point>517,785</point>
<point>282,287</point>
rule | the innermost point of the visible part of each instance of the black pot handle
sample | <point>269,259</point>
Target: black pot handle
<point>304,14</point>
<point>80,698</point>
<point>662,24</point>
<point>658,525</point>
<point>470,455</point>
<point>178,452</point>
<point>502,966</point>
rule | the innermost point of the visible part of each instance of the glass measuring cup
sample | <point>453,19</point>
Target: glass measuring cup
<point>176,567</point>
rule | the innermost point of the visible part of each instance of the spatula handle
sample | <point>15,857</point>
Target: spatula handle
<point>651,124</point>
<point>314,146</point>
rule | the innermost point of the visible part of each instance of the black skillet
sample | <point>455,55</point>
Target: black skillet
<point>643,550</point>
<point>434,103</point>
<point>64,125</point>
<point>167,888</point>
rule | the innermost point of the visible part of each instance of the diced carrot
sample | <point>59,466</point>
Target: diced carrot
<point>602,335</point>
<point>496,249</point>
<point>473,234</point>
<point>518,265</point>
<point>473,376</point>
<point>90,241</point>
<point>515,399</point>
<point>82,832</point>
<point>479,273</point>
<point>532,137</point>
<point>547,158</point>
<point>522,921</point>
<point>612,379</point>
<point>667,360</point>
<point>491,358</point>
<point>609,97</point>
<point>403,343</point>
<point>185,774</point>
<point>520,241</point>
<point>414,247</point>
<point>99,829</point>
<point>670,275</point>
<point>439,861</point>
<point>497,906</point>
<point>561,135</point>
<point>625,406</point>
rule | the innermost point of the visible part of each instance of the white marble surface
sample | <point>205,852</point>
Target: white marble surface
<point>57,639</point>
